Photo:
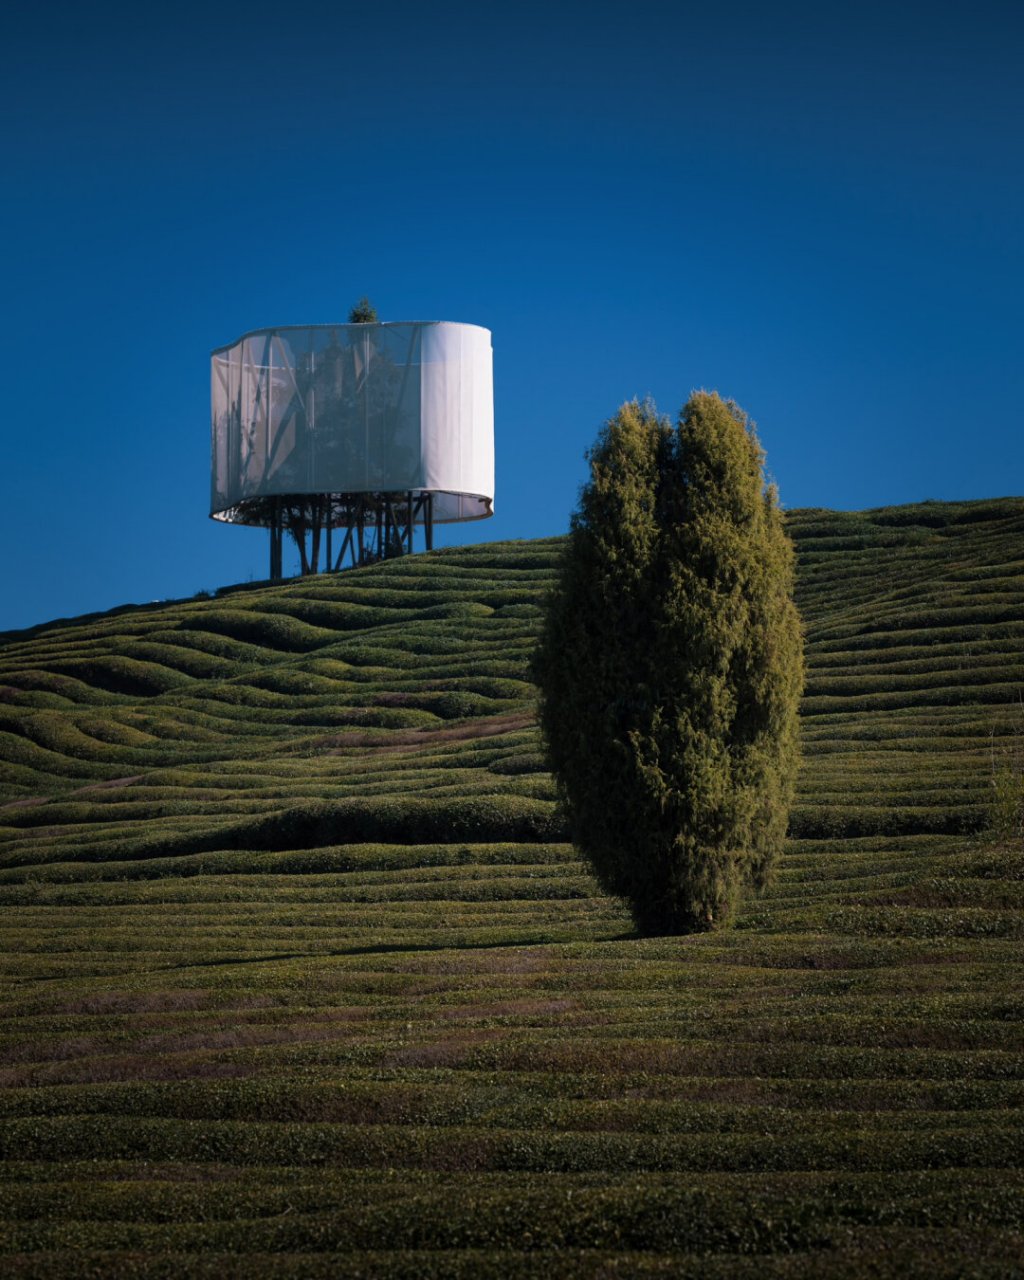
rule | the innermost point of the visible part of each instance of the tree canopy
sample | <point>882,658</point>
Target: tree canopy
<point>671,665</point>
<point>364,312</point>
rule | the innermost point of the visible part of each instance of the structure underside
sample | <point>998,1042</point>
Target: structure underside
<point>340,530</point>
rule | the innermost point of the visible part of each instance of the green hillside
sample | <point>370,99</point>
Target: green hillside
<point>300,977</point>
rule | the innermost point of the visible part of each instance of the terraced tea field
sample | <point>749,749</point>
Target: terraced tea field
<point>300,977</point>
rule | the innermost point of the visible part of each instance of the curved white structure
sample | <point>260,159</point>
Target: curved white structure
<point>357,414</point>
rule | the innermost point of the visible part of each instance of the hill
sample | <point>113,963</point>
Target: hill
<point>301,979</point>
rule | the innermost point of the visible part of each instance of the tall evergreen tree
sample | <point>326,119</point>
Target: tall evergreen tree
<point>671,665</point>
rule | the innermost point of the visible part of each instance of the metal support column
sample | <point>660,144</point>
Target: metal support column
<point>275,541</point>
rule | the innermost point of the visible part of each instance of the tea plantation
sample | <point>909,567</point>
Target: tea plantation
<point>301,978</point>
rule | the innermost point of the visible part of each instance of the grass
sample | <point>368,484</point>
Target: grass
<point>300,977</point>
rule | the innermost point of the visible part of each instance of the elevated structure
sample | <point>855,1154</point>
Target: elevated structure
<point>352,436</point>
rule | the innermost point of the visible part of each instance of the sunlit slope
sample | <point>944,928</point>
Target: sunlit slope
<point>409,681</point>
<point>300,976</point>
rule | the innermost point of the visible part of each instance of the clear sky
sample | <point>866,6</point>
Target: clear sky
<point>813,208</point>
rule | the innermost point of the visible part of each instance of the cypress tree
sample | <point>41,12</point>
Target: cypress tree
<point>671,665</point>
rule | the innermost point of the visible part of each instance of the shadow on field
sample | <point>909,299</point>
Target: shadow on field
<point>389,948</point>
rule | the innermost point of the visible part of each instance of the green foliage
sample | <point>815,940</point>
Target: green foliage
<point>364,312</point>
<point>1007,814</point>
<point>280,1055</point>
<point>671,665</point>
<point>1006,810</point>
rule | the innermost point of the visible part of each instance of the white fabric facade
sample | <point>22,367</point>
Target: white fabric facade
<point>354,408</point>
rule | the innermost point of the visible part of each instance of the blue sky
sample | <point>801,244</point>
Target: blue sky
<point>814,209</point>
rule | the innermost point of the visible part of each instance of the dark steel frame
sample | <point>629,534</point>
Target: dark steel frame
<point>375,526</point>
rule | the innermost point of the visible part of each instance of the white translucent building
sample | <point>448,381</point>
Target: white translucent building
<point>370,430</point>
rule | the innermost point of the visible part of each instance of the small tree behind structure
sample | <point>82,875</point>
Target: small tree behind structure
<point>671,665</point>
<point>364,312</point>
